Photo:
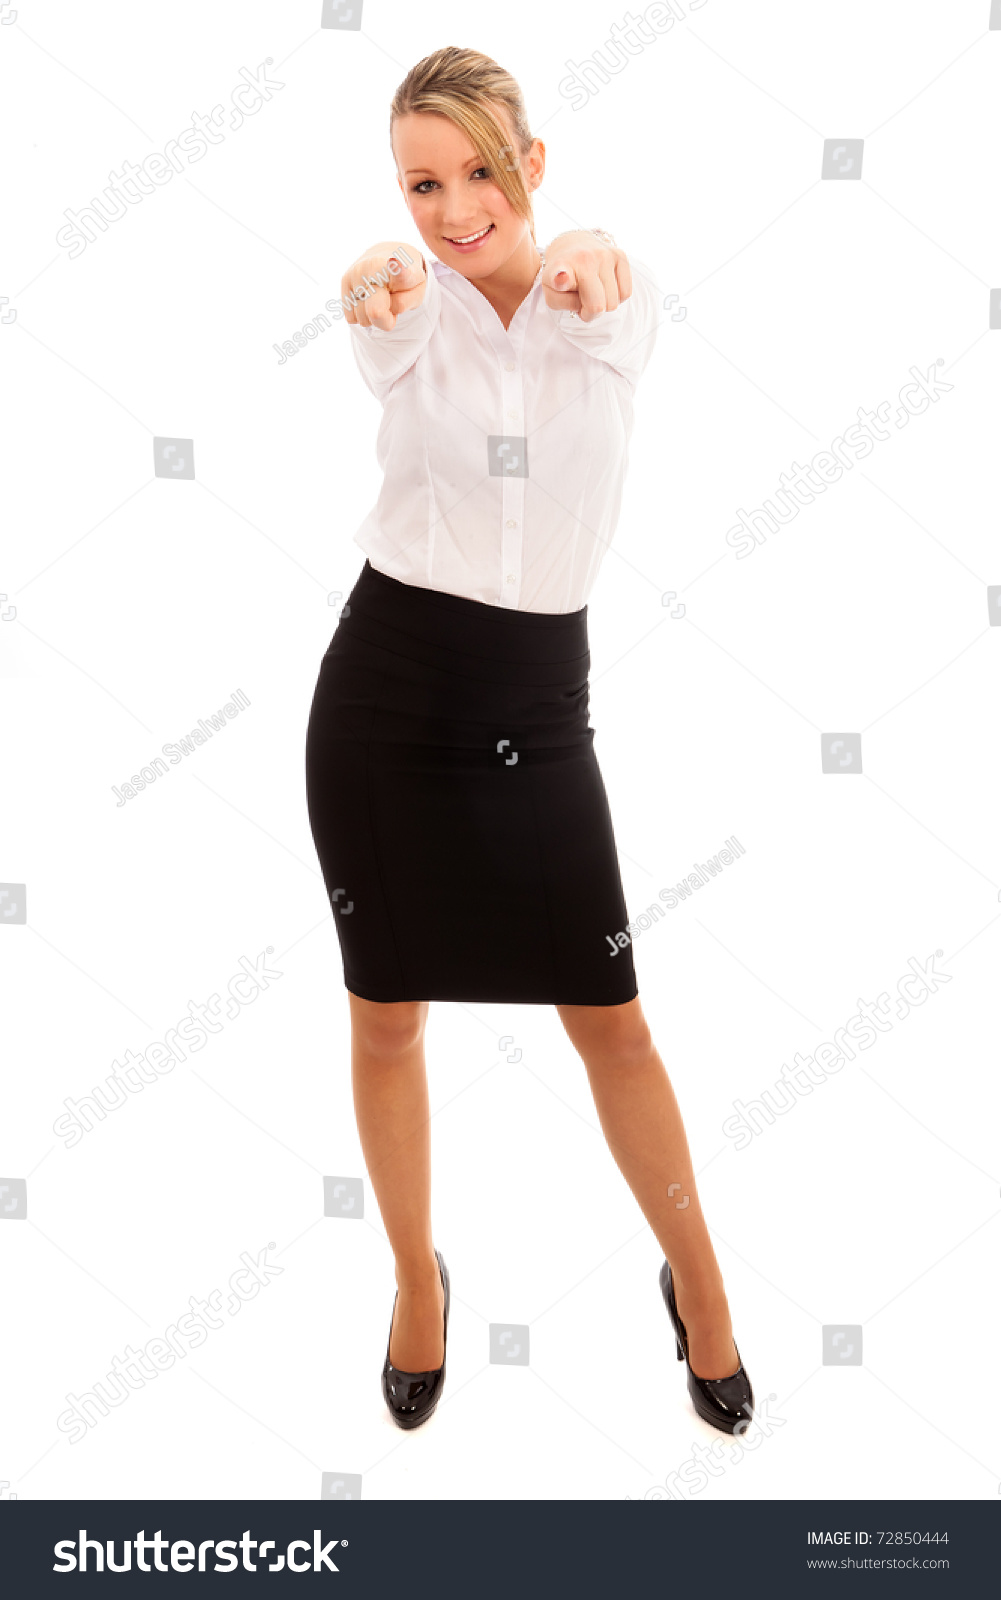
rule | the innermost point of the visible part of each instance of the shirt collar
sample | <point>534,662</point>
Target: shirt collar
<point>456,274</point>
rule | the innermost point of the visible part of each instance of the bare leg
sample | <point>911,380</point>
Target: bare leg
<point>389,1081</point>
<point>641,1121</point>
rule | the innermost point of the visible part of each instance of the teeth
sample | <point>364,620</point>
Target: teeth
<point>469,239</point>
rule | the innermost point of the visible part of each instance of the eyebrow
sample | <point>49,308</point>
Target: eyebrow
<point>410,171</point>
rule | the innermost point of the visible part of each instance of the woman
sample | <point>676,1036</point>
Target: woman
<point>454,796</point>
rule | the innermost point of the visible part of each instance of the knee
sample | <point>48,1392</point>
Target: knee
<point>387,1029</point>
<point>617,1036</point>
<point>624,1047</point>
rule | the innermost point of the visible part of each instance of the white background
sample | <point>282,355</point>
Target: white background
<point>142,603</point>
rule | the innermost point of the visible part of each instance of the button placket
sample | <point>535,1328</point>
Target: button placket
<point>512,509</point>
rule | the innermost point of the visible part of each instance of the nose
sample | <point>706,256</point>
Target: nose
<point>455,224</point>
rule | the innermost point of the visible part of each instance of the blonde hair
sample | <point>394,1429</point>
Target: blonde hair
<point>457,84</point>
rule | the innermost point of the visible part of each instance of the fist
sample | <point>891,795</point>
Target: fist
<point>585,275</point>
<point>389,278</point>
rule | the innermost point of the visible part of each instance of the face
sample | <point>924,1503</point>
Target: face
<point>451,195</point>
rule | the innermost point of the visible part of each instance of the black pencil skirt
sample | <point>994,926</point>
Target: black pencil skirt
<point>456,805</point>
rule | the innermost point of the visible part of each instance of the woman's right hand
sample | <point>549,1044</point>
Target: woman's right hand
<point>378,303</point>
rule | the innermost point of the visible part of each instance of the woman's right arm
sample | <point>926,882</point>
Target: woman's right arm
<point>392,301</point>
<point>389,278</point>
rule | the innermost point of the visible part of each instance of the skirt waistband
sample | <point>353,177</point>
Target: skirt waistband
<point>472,627</point>
<point>421,666</point>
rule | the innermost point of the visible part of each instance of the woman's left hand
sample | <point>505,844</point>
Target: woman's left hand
<point>585,275</point>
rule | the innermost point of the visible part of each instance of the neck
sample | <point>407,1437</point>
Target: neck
<point>507,287</point>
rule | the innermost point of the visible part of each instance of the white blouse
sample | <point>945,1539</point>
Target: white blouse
<point>503,451</point>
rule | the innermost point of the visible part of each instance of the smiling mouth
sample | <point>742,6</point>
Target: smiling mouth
<point>471,238</point>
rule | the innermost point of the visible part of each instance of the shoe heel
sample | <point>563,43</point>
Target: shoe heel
<point>718,1401</point>
<point>413,1396</point>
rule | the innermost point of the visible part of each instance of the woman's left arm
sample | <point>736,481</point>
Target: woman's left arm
<point>604,307</point>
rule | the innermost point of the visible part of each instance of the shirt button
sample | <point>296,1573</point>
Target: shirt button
<point>513,415</point>
<point>511,523</point>
<point>510,366</point>
<point>510,577</point>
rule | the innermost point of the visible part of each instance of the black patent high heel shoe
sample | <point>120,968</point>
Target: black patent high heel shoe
<point>723,1402</point>
<point>412,1396</point>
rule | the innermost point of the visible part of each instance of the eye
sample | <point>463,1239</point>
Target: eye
<point>422,186</point>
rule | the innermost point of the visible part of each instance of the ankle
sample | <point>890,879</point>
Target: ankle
<point>418,1276</point>
<point>703,1300</point>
